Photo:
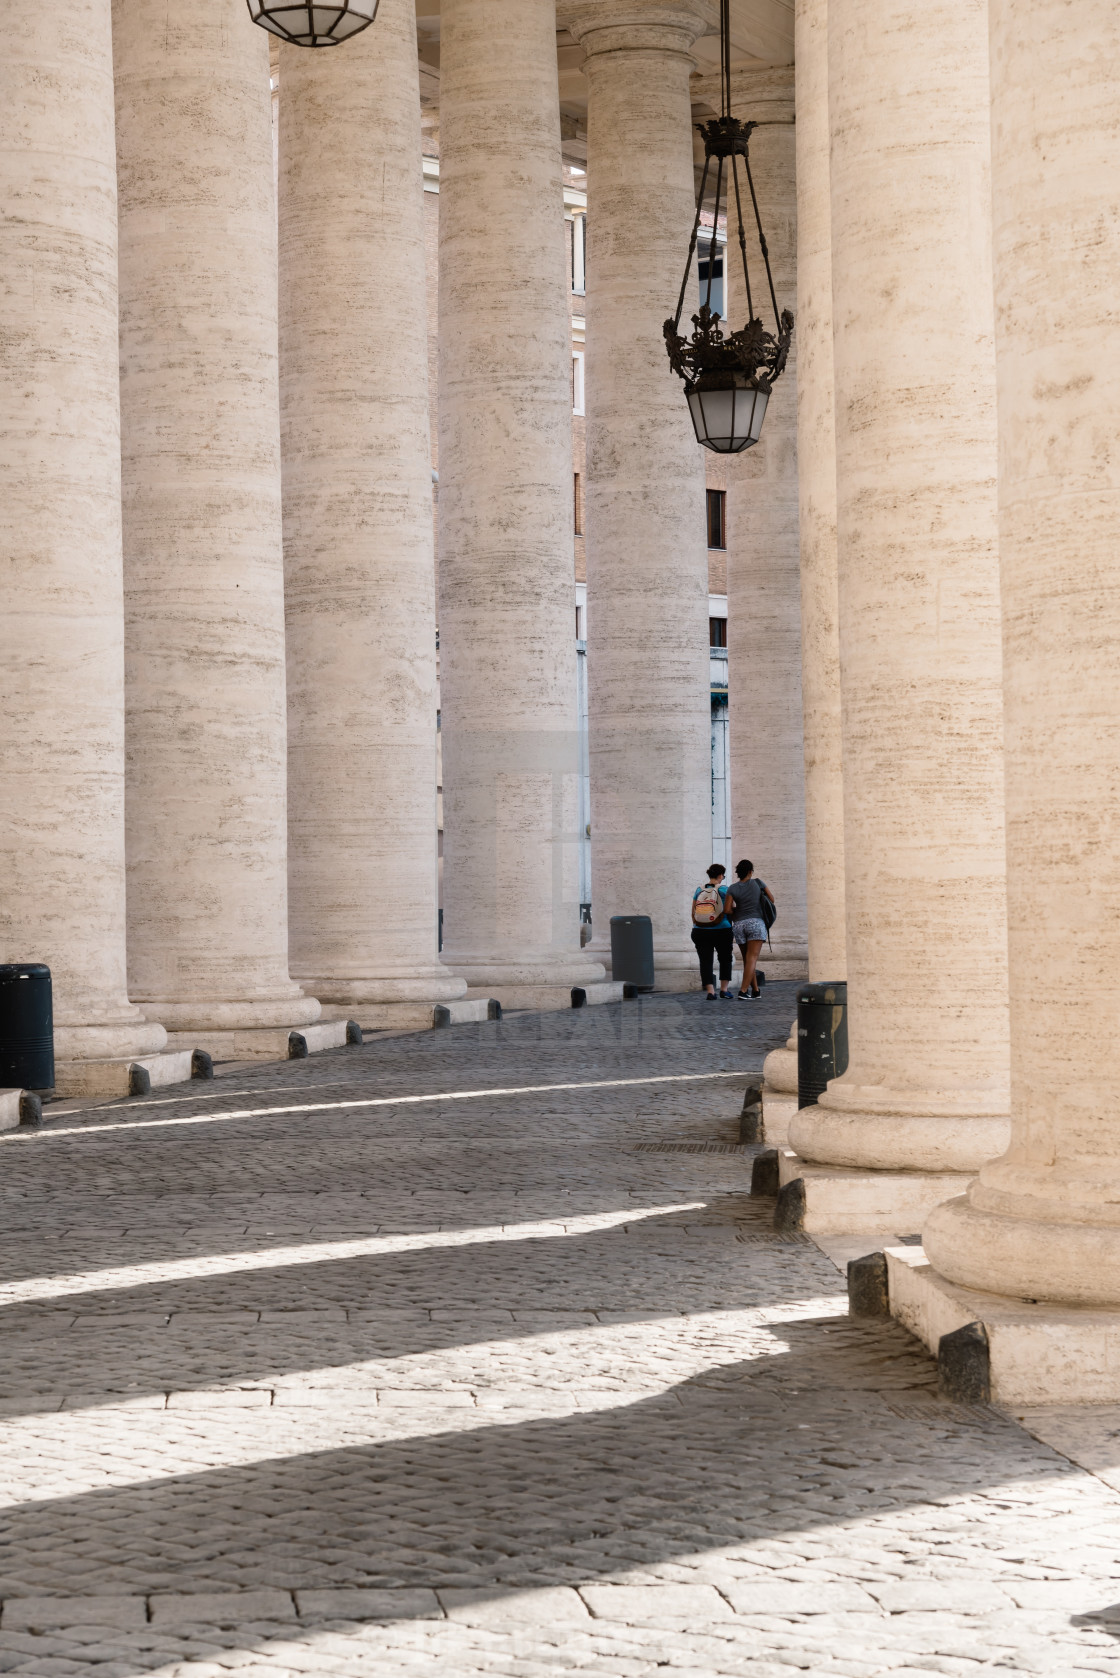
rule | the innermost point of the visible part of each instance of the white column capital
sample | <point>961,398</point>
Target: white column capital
<point>602,26</point>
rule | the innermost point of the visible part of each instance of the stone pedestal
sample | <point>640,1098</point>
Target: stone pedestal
<point>763,560</point>
<point>204,601</point>
<point>506,559</point>
<point>816,488</point>
<point>1028,1351</point>
<point>833,1200</point>
<point>62,850</point>
<point>647,562</point>
<point>1043,1222</point>
<point>927,1084</point>
<point>359,565</point>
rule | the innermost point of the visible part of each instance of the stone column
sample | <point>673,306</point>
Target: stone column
<point>202,526</point>
<point>816,486</point>
<point>816,489</point>
<point>360,577</point>
<point>1044,1221</point>
<point>927,1085</point>
<point>61,629</point>
<point>647,562</point>
<point>763,562</point>
<point>506,563</point>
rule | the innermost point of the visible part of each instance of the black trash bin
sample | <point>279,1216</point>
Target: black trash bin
<point>822,1038</point>
<point>26,1027</point>
<point>632,950</point>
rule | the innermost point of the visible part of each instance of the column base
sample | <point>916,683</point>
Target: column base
<point>882,1139</point>
<point>488,975</point>
<point>780,1066</point>
<point>1035,1354</point>
<point>423,988</point>
<point>833,1200</point>
<point>674,970</point>
<point>204,1016</point>
<point>1069,1260</point>
<point>265,1042</point>
<point>778,967</point>
<point>779,1109</point>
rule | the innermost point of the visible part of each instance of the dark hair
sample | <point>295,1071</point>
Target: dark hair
<point>744,868</point>
<point>717,868</point>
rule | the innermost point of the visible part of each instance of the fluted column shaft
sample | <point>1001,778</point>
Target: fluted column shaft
<point>506,559</point>
<point>62,897</point>
<point>1044,1221</point>
<point>647,564</point>
<point>202,531</point>
<point>816,485</point>
<point>359,563</point>
<point>927,1084</point>
<point>763,562</point>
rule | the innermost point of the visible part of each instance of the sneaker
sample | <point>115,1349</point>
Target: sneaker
<point>726,996</point>
<point>743,995</point>
<point>709,998</point>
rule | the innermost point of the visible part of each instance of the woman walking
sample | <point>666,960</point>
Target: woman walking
<point>749,922</point>
<point>711,933</point>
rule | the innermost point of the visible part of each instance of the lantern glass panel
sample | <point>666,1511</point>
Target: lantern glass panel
<point>311,25</point>
<point>728,421</point>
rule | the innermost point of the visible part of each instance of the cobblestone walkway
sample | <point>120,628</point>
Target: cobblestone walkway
<point>468,1353</point>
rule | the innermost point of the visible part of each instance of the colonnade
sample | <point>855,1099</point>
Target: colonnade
<point>260,787</point>
<point>977,548</point>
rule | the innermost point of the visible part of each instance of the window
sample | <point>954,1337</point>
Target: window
<point>579,255</point>
<point>717,519</point>
<point>581,633</point>
<point>577,503</point>
<point>717,632</point>
<point>717,282</point>
<point>577,382</point>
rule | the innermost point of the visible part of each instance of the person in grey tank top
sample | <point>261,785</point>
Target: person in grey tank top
<point>744,905</point>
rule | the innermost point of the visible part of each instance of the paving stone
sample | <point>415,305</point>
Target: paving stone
<point>369,1605</point>
<point>47,1613</point>
<point>234,1608</point>
<point>641,1603</point>
<point>483,1360</point>
<point>546,1607</point>
<point>783,1596</point>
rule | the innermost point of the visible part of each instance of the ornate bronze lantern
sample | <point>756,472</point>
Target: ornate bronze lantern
<point>728,377</point>
<point>310,24</point>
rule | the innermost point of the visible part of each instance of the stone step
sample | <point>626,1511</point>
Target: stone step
<point>266,1042</point>
<point>417,1016</point>
<point>555,998</point>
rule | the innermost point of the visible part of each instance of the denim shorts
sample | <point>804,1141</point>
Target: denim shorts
<point>747,932</point>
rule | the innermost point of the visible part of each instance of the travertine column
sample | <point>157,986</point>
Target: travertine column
<point>62,896</point>
<point>816,491</point>
<point>360,578</point>
<point>816,484</point>
<point>506,571</point>
<point>1044,1221</point>
<point>647,562</point>
<point>927,1083</point>
<point>202,533</point>
<point>763,570</point>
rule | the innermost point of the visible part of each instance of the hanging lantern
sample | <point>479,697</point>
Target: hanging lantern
<point>728,377</point>
<point>311,25</point>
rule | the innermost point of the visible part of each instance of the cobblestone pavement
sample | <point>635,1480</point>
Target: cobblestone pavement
<point>469,1353</point>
